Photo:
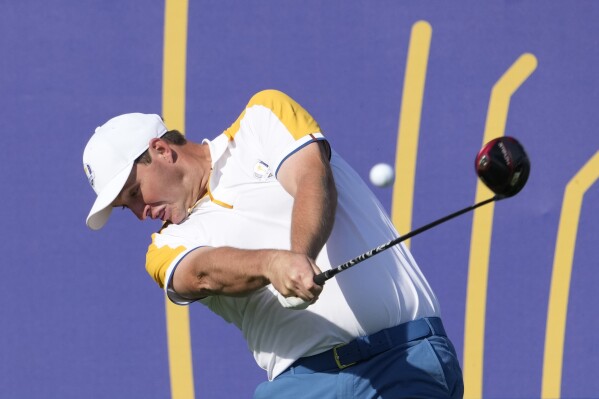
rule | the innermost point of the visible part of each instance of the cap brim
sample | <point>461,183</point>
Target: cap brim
<point>102,208</point>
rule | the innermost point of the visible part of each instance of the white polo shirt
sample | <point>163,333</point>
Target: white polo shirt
<point>248,208</point>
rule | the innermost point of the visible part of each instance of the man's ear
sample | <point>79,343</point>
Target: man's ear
<point>160,149</point>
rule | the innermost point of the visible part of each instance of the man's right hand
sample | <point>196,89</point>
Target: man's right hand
<point>292,275</point>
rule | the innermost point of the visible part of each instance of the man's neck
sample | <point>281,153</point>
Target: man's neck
<point>199,169</point>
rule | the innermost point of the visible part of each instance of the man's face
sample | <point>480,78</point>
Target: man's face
<point>155,190</point>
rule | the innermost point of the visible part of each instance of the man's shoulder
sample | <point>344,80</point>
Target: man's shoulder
<point>269,96</point>
<point>172,234</point>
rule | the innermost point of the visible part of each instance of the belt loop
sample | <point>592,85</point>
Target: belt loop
<point>433,332</point>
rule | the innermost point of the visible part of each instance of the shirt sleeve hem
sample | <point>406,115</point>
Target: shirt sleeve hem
<point>296,146</point>
<point>168,281</point>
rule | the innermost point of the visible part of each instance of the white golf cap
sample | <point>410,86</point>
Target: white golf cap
<point>109,156</point>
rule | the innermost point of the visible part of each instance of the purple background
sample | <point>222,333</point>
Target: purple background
<point>82,319</point>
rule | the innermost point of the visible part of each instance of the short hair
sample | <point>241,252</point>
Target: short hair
<point>172,137</point>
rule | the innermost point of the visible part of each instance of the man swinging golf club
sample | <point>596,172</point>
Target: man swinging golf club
<point>252,216</point>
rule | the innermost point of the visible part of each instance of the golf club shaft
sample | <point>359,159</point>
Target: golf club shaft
<point>322,277</point>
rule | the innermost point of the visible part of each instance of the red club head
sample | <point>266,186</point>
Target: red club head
<point>502,164</point>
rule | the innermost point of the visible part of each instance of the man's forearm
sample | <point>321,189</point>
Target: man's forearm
<point>238,272</point>
<point>222,271</point>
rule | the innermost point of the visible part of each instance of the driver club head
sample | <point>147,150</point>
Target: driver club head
<point>503,166</point>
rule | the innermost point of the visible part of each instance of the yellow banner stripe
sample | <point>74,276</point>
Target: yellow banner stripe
<point>482,224</point>
<point>560,278</point>
<point>174,64</point>
<point>409,126</point>
<point>173,112</point>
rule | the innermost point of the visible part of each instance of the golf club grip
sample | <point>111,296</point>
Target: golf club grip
<point>324,276</point>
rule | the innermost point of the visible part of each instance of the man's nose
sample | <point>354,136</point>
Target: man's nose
<point>140,210</point>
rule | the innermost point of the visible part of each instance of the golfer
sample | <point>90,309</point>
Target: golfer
<point>255,213</point>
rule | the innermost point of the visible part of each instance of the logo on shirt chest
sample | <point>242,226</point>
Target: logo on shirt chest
<point>262,171</point>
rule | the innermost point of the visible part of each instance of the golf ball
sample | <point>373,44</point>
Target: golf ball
<point>382,175</point>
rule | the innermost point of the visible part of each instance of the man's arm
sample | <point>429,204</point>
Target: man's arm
<point>238,272</point>
<point>307,176</point>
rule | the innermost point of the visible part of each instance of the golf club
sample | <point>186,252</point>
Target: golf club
<point>502,165</point>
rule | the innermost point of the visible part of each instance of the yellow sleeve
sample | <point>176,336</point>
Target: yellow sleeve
<point>296,119</point>
<point>159,259</point>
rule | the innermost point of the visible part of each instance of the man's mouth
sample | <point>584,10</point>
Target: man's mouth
<point>158,214</point>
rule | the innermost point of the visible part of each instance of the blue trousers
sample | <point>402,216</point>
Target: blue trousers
<point>424,368</point>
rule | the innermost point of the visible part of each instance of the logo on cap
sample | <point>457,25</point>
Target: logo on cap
<point>90,174</point>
